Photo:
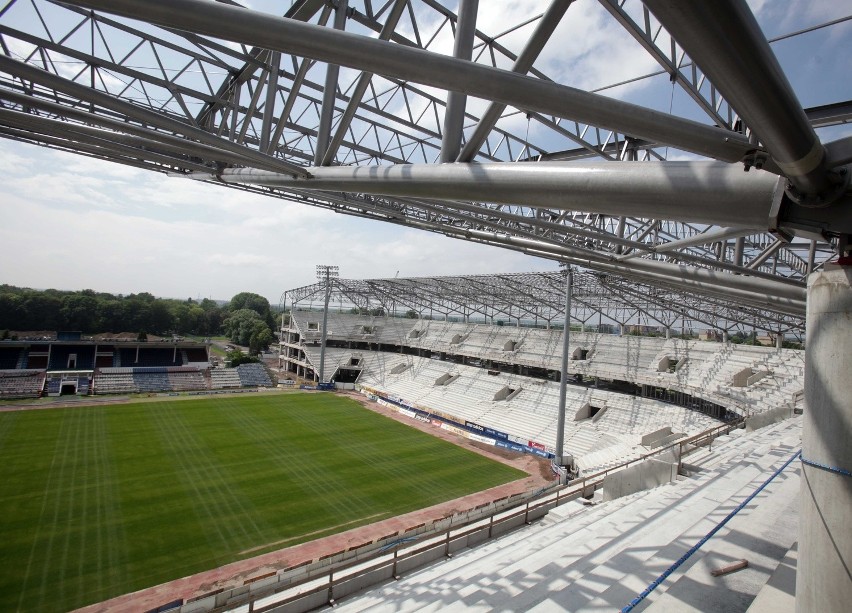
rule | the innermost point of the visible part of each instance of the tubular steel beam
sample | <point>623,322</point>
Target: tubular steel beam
<point>644,37</point>
<point>697,278</point>
<point>702,192</point>
<point>839,151</point>
<point>128,143</point>
<point>301,11</point>
<point>732,291</point>
<point>100,148</point>
<point>360,88</point>
<point>173,143</point>
<point>735,295</point>
<point>457,101</point>
<point>329,91</point>
<point>725,40</point>
<point>28,72</point>
<point>546,25</point>
<point>429,68</point>
<point>699,239</point>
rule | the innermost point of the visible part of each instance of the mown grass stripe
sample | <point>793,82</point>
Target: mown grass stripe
<point>69,509</point>
<point>199,466</point>
<point>134,495</point>
<point>60,503</point>
<point>291,457</point>
<point>8,420</point>
<point>55,471</point>
<point>190,477</point>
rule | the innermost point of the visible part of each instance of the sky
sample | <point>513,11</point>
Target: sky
<point>71,222</point>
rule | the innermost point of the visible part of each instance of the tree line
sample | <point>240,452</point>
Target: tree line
<point>246,320</point>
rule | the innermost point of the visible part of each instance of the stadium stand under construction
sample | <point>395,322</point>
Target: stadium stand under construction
<point>708,190</point>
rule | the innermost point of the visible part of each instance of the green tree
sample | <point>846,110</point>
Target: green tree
<point>411,314</point>
<point>260,340</point>
<point>237,357</point>
<point>242,324</point>
<point>78,312</point>
<point>255,302</point>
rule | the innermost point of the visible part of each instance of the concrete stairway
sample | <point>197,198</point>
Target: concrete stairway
<point>600,556</point>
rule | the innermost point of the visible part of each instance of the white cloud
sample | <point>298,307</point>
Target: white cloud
<point>71,222</point>
<point>239,260</point>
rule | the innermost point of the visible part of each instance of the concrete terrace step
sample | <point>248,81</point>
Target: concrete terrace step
<point>604,555</point>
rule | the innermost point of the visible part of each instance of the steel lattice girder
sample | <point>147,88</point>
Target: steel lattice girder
<point>541,297</point>
<point>176,100</point>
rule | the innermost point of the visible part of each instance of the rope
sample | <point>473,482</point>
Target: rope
<point>706,538</point>
<point>834,469</point>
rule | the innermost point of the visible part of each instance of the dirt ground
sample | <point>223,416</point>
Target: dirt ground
<point>237,573</point>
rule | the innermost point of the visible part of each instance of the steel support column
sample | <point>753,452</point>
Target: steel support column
<point>329,92</point>
<point>563,370</point>
<point>457,101</point>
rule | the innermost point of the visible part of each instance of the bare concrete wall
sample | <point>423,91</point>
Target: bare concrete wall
<point>640,477</point>
<point>767,418</point>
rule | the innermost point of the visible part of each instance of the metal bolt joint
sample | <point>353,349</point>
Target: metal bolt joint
<point>839,184</point>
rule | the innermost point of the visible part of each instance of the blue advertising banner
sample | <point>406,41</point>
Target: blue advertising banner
<point>501,438</point>
<point>496,434</point>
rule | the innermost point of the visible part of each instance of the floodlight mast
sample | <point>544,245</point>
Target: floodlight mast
<point>563,372</point>
<point>325,273</point>
<point>282,306</point>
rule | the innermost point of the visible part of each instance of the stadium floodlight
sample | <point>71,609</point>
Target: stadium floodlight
<point>325,273</point>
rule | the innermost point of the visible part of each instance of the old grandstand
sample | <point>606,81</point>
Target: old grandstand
<point>30,369</point>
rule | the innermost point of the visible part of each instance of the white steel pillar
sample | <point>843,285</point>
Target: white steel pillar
<point>563,372</point>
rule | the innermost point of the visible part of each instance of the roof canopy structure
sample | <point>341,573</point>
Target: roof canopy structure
<point>540,298</point>
<point>444,117</point>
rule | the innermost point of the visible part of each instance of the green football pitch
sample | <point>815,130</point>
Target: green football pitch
<point>100,501</point>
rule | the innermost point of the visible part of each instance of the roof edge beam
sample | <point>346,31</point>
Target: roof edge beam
<point>700,192</point>
<point>31,73</point>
